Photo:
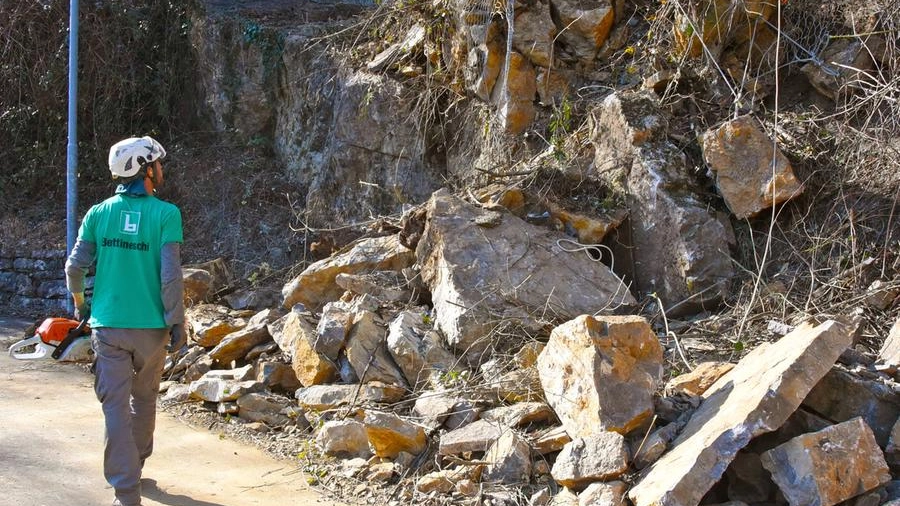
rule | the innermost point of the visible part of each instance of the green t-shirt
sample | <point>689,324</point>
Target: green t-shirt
<point>129,232</point>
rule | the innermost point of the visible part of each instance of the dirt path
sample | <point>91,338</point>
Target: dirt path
<point>51,439</point>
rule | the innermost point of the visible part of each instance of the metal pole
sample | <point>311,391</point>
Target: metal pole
<point>72,146</point>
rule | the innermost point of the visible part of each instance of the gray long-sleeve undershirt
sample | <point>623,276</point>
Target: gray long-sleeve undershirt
<point>84,253</point>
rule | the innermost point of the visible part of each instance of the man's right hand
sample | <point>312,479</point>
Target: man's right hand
<point>82,311</point>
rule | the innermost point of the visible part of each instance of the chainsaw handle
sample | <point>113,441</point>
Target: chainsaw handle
<point>73,334</point>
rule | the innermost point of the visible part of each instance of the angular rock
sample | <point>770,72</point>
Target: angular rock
<point>254,299</point>
<point>344,439</point>
<point>433,408</point>
<point>829,466</point>
<point>220,390</point>
<point>440,481</point>
<point>386,286</point>
<point>475,437</point>
<point>508,460</point>
<point>550,441</point>
<point>584,26</point>
<point>263,351</point>
<point>610,493</point>
<point>316,285</point>
<point>648,451</point>
<point>602,456</point>
<point>390,435</point>
<point>325,397</point>
<point>331,331</point>
<point>196,286</point>
<point>518,385</point>
<point>277,376</point>
<point>198,368</point>
<point>516,98</point>
<point>751,175</point>
<point>210,323</point>
<point>881,295</point>
<point>552,87</point>
<point>841,396</point>
<point>235,346</point>
<point>889,355</point>
<point>177,393</point>
<point>599,374</point>
<point>270,410</point>
<point>519,414</point>
<point>237,374</point>
<point>367,351</point>
<point>697,381</point>
<point>565,497</point>
<point>756,397</point>
<point>484,62</point>
<point>675,246</point>
<point>476,288</point>
<point>534,34</point>
<point>892,450</point>
<point>843,62</point>
<point>416,349</point>
<point>298,336</point>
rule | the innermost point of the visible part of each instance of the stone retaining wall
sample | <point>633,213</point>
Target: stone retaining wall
<point>33,282</point>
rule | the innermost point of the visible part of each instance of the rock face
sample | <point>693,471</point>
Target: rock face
<point>316,285</point>
<point>598,374</point>
<point>829,466</point>
<point>484,278</point>
<point>679,248</point>
<point>751,174</point>
<point>756,397</point>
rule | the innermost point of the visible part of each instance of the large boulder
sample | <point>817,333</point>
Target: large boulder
<point>367,351</point>
<point>417,350</point>
<point>297,337</point>
<point>486,275</point>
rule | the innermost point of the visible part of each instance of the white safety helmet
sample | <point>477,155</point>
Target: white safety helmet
<point>128,156</point>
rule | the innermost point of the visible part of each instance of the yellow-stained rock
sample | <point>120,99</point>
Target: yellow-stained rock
<point>316,285</point>
<point>599,374</point>
<point>390,435</point>
<point>828,466</point>
<point>210,323</point>
<point>750,174</point>
<point>516,107</point>
<point>697,381</point>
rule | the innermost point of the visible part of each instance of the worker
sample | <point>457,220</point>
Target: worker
<point>137,309</point>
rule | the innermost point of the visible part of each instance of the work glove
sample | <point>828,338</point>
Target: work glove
<point>83,311</point>
<point>177,337</point>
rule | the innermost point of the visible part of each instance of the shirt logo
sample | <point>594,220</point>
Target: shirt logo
<point>129,222</point>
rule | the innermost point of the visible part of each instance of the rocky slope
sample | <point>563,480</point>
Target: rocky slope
<point>571,252</point>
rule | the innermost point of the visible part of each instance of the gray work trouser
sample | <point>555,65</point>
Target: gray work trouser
<point>128,370</point>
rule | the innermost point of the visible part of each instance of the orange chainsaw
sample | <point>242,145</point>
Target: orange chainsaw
<point>59,338</point>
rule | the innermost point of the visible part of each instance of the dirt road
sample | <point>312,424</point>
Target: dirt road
<point>51,447</point>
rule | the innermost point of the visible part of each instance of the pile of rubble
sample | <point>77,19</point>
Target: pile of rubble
<point>422,358</point>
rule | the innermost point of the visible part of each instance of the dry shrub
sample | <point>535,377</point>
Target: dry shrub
<point>134,79</point>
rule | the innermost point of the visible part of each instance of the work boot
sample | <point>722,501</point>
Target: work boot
<point>117,502</point>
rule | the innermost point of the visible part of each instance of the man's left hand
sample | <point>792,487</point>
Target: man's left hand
<point>177,337</point>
